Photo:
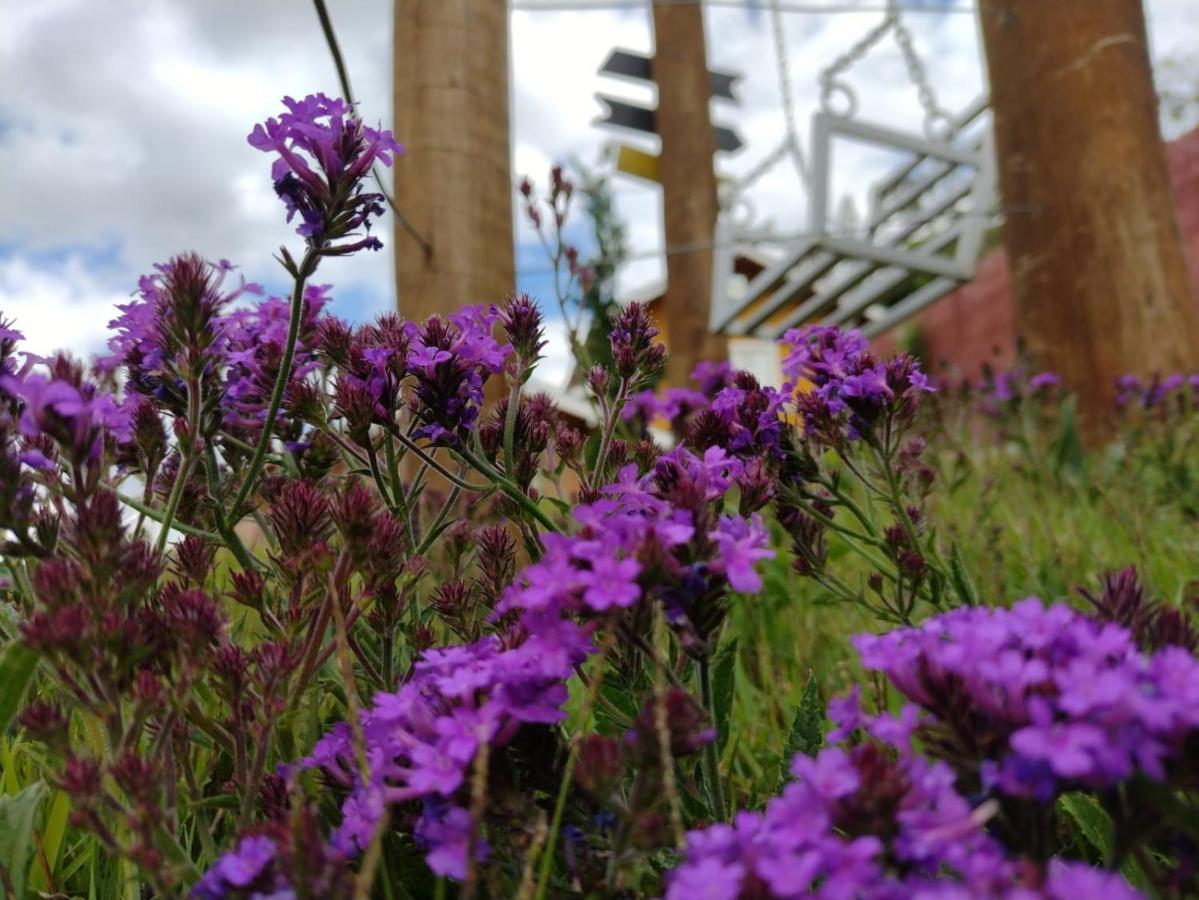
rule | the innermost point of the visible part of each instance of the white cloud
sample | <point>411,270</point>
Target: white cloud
<point>59,308</point>
<point>129,127</point>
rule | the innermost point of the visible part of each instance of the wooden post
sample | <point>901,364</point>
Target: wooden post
<point>454,182</point>
<point>1099,277</point>
<point>688,185</point>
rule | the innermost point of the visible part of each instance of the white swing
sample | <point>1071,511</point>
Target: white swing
<point>922,235</point>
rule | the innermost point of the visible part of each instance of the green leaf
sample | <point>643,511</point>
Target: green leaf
<point>556,505</point>
<point>17,662</point>
<point>1096,826</point>
<point>1091,818</point>
<point>1067,447</point>
<point>724,680</point>
<point>18,815</point>
<point>807,730</point>
<point>963,584</point>
<point>52,837</point>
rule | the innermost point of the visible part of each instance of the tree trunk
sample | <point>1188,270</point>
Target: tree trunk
<point>1099,276</point>
<point>454,181</point>
<point>688,186</point>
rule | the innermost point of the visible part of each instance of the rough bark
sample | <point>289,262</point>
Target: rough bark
<point>688,186</point>
<point>454,181</point>
<point>1099,276</point>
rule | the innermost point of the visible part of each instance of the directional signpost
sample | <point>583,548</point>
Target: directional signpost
<point>690,140</point>
<point>631,116</point>
<point>622,114</point>
<point>639,67</point>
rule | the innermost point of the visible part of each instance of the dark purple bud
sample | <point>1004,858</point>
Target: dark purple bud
<point>193,559</point>
<point>45,722</point>
<point>522,324</point>
<point>687,727</point>
<point>600,765</point>
<point>299,517</point>
<point>80,777</point>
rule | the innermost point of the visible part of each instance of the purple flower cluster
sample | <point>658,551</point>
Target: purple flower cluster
<point>241,869</point>
<point>874,822</point>
<point>252,345</point>
<point>422,740</point>
<point>728,408</point>
<point>326,134</point>
<point>451,360</point>
<point>60,405</point>
<point>674,405</point>
<point>1135,392</point>
<point>184,327</point>
<point>172,332</point>
<point>1036,700</point>
<point>850,389</point>
<point>1010,386</point>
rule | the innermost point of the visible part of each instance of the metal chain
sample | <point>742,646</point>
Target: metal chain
<point>831,85</point>
<point>933,113</point>
<point>783,63</point>
<point>790,145</point>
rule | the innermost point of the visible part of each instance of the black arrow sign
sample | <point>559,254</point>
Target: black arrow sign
<point>637,118</point>
<point>639,67</point>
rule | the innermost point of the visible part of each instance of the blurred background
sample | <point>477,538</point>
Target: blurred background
<point>122,129</point>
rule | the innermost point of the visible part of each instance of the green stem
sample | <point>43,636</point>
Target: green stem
<point>508,487</point>
<point>601,457</point>
<point>168,514</point>
<point>510,423</point>
<point>711,760</point>
<point>547,859</point>
<point>433,532</point>
<point>307,267</point>
<point>397,487</point>
<point>232,541</point>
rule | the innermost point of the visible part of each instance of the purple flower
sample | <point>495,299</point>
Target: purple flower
<point>444,833</point>
<point>324,152</point>
<point>451,360</point>
<point>1044,381</point>
<point>1061,700</point>
<point>236,870</point>
<point>846,389</point>
<point>741,543</point>
<point>76,417</point>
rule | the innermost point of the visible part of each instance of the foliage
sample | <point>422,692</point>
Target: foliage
<point>292,610</point>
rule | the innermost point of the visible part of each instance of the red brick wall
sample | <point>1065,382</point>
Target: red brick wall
<point>974,325</point>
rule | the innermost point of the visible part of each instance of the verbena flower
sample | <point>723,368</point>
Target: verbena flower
<point>875,821</point>
<point>450,361</point>
<point>324,152</point>
<point>1055,700</point>
<point>76,415</point>
<point>848,389</point>
<point>252,345</point>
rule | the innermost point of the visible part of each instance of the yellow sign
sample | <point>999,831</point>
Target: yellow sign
<point>636,162</point>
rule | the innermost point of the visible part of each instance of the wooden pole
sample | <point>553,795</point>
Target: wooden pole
<point>1099,276</point>
<point>688,186</point>
<point>454,182</point>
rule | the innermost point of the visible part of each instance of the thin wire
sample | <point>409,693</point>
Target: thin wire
<point>343,76</point>
<point>783,240</point>
<point>755,5</point>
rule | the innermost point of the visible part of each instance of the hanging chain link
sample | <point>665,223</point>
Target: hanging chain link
<point>831,85</point>
<point>934,115</point>
<point>783,63</point>
<point>790,145</point>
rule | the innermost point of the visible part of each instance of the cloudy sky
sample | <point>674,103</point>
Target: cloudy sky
<point>122,131</point>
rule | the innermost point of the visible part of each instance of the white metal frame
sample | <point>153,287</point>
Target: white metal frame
<point>860,281</point>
